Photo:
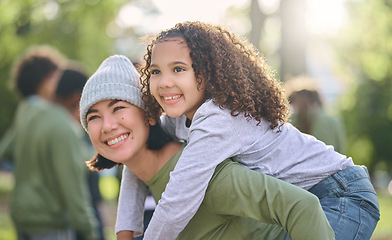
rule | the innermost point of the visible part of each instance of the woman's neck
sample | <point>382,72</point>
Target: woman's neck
<point>145,167</point>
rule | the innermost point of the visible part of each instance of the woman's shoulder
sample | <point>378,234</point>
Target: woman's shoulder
<point>175,146</point>
<point>172,150</point>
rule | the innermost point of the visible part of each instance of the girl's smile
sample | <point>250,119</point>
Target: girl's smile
<point>173,83</point>
<point>171,99</point>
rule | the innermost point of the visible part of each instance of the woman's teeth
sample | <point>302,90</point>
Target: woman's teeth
<point>117,140</point>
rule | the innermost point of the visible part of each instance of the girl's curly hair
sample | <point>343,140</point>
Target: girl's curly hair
<point>235,73</point>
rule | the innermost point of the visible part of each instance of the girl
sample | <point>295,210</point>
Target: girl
<point>217,84</point>
<point>113,114</point>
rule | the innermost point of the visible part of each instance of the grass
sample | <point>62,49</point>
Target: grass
<point>383,230</point>
<point>109,188</point>
<point>7,230</point>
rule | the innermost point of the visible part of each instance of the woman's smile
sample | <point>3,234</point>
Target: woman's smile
<point>117,129</point>
<point>117,140</point>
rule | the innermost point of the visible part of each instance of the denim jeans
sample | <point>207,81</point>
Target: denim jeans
<point>350,203</point>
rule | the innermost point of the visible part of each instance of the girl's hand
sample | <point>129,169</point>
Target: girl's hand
<point>125,235</point>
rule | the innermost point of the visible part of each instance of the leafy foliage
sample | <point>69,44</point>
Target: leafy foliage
<point>78,29</point>
<point>366,59</point>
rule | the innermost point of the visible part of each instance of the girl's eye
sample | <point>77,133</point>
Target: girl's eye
<point>154,72</point>
<point>178,69</point>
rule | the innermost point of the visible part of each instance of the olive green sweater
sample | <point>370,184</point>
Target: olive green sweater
<point>50,191</point>
<point>244,204</point>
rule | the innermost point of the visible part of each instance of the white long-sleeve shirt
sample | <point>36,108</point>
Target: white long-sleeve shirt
<point>213,136</point>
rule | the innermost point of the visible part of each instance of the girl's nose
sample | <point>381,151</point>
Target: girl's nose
<point>165,81</point>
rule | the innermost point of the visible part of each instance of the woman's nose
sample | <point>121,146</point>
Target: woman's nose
<point>109,124</point>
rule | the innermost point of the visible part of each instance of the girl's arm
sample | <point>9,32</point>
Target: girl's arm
<point>175,127</point>
<point>212,139</point>
<point>130,208</point>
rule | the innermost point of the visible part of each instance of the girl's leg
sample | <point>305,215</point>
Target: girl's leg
<point>350,203</point>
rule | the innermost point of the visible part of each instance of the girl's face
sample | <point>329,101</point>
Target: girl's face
<point>173,82</point>
<point>117,129</point>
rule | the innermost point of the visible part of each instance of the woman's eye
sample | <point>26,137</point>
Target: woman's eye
<point>92,118</point>
<point>118,108</point>
<point>178,69</point>
<point>154,72</point>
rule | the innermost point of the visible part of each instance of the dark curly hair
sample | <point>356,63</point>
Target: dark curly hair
<point>235,73</point>
<point>31,69</point>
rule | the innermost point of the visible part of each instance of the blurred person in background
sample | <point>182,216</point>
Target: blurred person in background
<point>50,200</point>
<point>309,116</point>
<point>68,93</point>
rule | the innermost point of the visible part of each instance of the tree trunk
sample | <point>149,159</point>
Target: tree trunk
<point>257,20</point>
<point>293,39</point>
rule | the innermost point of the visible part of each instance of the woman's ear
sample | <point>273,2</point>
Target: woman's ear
<point>152,122</point>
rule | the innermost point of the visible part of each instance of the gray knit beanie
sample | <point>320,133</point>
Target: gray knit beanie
<point>116,78</point>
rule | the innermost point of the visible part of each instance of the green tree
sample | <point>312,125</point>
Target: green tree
<point>365,50</point>
<point>78,29</point>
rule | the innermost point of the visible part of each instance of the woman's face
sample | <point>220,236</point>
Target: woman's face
<point>118,130</point>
